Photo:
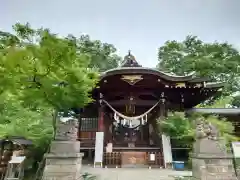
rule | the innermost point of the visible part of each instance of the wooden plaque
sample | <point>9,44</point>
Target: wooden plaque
<point>133,159</point>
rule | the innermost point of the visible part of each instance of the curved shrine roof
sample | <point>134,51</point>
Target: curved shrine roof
<point>131,66</point>
<point>145,70</point>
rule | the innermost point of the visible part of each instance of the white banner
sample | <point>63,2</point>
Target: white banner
<point>109,148</point>
<point>99,147</point>
<point>236,149</point>
<point>167,149</point>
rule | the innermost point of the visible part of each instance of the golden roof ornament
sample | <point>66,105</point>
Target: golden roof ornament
<point>132,79</point>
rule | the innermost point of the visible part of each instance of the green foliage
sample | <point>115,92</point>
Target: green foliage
<point>219,61</point>
<point>221,102</point>
<point>88,176</point>
<point>225,128</point>
<point>179,128</point>
<point>236,101</point>
<point>42,73</point>
<point>103,55</point>
<point>177,125</point>
<point>182,127</point>
<point>47,69</point>
<point>16,120</point>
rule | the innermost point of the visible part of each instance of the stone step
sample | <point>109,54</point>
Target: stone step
<point>144,178</point>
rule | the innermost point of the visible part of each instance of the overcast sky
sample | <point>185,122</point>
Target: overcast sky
<point>141,26</point>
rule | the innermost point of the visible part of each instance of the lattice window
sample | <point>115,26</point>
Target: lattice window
<point>89,124</point>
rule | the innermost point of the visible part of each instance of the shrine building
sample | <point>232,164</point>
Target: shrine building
<point>129,101</point>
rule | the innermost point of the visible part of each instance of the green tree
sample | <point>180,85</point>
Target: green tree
<point>218,61</point>
<point>236,101</point>
<point>42,69</point>
<point>179,128</point>
<point>182,127</point>
<point>103,55</point>
<point>34,125</point>
<point>15,120</point>
<point>221,102</point>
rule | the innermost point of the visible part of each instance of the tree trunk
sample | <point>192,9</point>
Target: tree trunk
<point>54,123</point>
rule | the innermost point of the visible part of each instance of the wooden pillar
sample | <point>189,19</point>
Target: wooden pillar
<point>90,155</point>
<point>79,124</point>
<point>182,102</point>
<point>162,111</point>
<point>150,131</point>
<point>101,115</point>
<point>141,130</point>
<point>108,127</point>
<point>100,120</point>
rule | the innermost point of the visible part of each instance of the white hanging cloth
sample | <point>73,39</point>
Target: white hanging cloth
<point>144,121</point>
<point>130,123</point>
<point>116,117</point>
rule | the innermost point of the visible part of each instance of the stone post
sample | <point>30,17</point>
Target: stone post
<point>210,160</point>
<point>64,159</point>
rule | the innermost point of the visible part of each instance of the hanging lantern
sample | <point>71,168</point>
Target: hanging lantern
<point>182,98</point>
<point>130,108</point>
<point>100,98</point>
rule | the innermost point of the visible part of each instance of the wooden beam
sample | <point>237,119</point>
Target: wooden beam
<point>136,102</point>
<point>128,93</point>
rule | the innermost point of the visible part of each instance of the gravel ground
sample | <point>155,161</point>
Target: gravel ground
<point>134,173</point>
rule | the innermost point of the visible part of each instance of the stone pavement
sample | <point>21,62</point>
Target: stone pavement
<point>133,173</point>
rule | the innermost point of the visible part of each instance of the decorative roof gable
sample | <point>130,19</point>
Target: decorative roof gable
<point>130,61</point>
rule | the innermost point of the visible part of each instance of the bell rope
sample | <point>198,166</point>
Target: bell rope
<point>116,113</point>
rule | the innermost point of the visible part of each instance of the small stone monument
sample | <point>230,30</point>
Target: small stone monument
<point>64,159</point>
<point>210,160</point>
<point>67,131</point>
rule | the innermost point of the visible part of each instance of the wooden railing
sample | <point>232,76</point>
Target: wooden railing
<point>158,162</point>
<point>114,159</point>
<point>87,143</point>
